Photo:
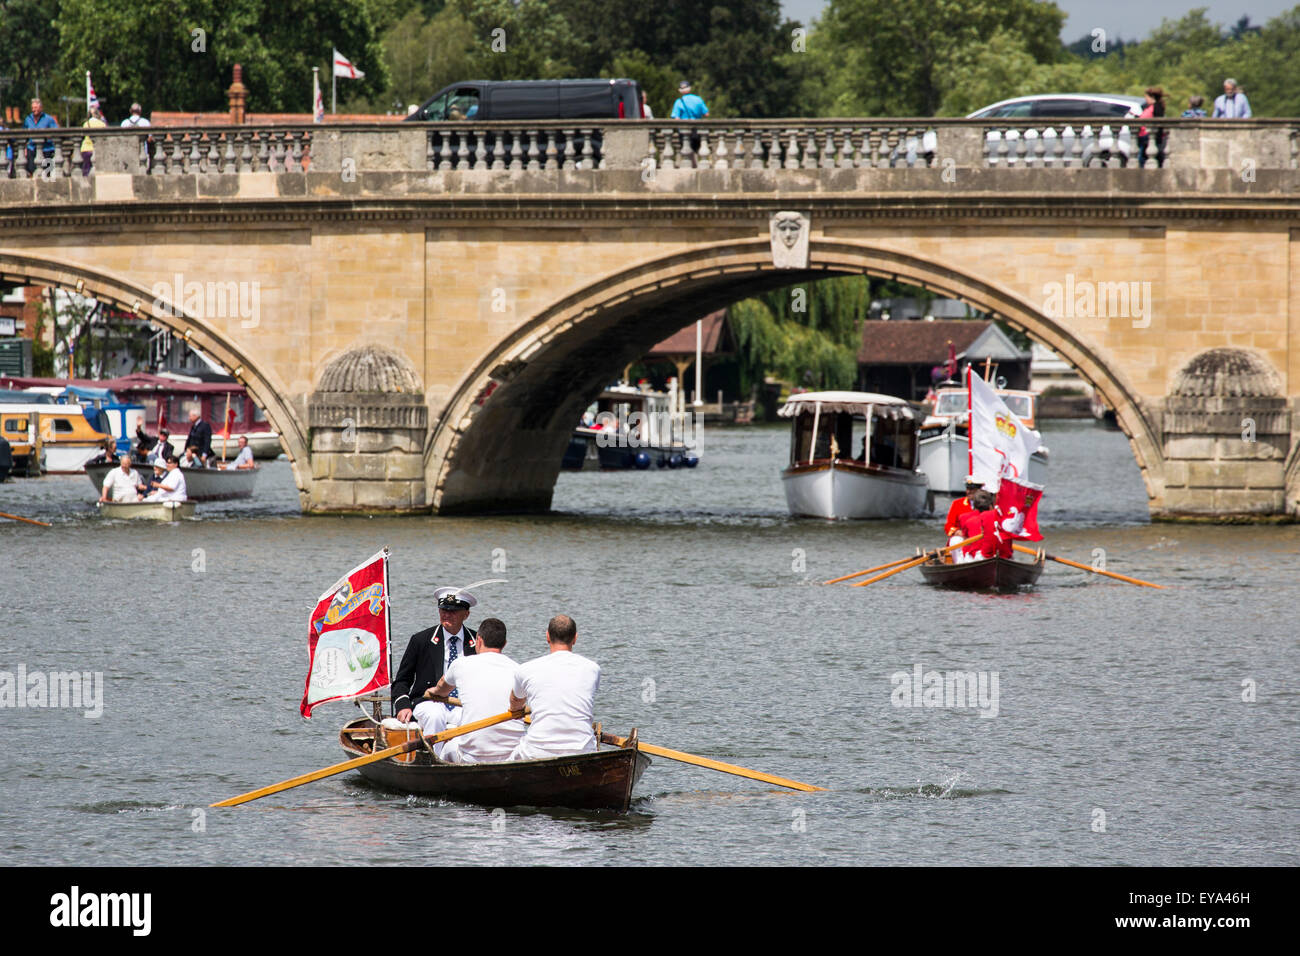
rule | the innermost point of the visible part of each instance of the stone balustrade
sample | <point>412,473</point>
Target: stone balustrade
<point>247,149</point>
<point>827,144</point>
<point>1178,143</point>
<point>160,152</point>
<point>779,148</point>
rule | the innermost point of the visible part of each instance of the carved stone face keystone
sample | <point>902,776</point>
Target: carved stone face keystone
<point>789,231</point>
<point>789,227</point>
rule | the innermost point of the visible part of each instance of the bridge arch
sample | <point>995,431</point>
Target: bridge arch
<point>500,438</point>
<point>263,386</point>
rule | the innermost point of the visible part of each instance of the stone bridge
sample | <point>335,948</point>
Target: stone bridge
<point>423,311</point>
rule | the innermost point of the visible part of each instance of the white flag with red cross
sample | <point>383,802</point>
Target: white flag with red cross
<point>343,67</point>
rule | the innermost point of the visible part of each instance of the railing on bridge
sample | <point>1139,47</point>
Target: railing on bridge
<point>774,145</point>
<point>160,151</point>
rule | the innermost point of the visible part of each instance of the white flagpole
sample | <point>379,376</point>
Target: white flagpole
<point>388,619</point>
<point>699,361</point>
<point>970,426</point>
<point>87,96</point>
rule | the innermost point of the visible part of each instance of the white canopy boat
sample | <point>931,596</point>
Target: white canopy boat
<point>945,442</point>
<point>826,480</point>
<point>147,510</point>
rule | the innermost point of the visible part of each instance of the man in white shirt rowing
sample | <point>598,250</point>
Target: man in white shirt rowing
<point>561,690</point>
<point>122,484</point>
<point>483,682</point>
<point>173,484</point>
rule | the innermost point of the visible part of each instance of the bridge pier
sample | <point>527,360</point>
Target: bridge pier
<point>1227,436</point>
<point>368,424</point>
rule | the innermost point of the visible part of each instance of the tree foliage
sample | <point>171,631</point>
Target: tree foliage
<point>1188,56</point>
<point>901,57</point>
<point>734,52</point>
<point>423,53</point>
<point>806,334</point>
<point>180,54</point>
<point>512,41</point>
<point>29,50</point>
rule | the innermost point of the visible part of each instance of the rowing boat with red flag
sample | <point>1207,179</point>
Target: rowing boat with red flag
<point>1000,449</point>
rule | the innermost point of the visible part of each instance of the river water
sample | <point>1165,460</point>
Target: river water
<point>1130,725</point>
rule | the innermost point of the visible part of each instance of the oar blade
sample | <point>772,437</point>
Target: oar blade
<point>1086,567</point>
<point>347,765</point>
<point>711,764</point>
<point>858,574</point>
<point>321,774</point>
<point>42,524</point>
<point>880,577</point>
<point>726,767</point>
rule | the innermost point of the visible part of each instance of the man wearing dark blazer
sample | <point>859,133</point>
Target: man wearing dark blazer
<point>428,654</point>
<point>200,436</point>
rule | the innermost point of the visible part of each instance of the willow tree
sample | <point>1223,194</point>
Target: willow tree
<point>807,334</point>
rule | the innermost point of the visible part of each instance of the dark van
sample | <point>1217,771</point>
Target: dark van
<point>533,100</point>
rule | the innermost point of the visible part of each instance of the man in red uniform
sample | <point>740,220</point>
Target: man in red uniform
<point>959,507</point>
<point>983,520</point>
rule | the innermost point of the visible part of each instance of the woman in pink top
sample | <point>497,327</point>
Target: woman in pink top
<point>1155,107</point>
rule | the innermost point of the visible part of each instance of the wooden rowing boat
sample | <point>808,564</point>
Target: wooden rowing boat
<point>147,510</point>
<point>201,484</point>
<point>989,574</point>
<point>602,780</point>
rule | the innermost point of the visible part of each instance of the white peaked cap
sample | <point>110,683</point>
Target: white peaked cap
<point>455,594</point>
<point>463,595</point>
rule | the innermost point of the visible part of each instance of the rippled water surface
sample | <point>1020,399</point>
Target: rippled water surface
<point>1118,707</point>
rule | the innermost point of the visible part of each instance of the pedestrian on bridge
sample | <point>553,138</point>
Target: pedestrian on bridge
<point>1233,103</point>
<point>688,106</point>
<point>39,119</point>
<point>94,121</point>
<point>1155,106</point>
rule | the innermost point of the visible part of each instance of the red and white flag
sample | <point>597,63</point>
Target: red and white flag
<point>1018,509</point>
<point>343,67</point>
<point>92,101</point>
<point>347,640</point>
<point>1000,443</point>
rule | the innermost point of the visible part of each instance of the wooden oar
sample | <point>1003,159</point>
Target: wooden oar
<point>858,574</point>
<point>347,765</point>
<point>1085,567</point>
<point>710,764</point>
<point>43,524</point>
<point>913,562</point>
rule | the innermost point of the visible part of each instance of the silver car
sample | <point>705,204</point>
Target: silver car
<point>1077,106</point>
<point>1071,109</point>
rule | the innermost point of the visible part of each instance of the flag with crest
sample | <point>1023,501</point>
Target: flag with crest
<point>347,637</point>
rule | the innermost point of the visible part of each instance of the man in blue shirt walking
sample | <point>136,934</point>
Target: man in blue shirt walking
<point>688,106</point>
<point>38,119</point>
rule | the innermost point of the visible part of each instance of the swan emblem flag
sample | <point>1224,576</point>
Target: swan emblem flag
<point>347,637</point>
